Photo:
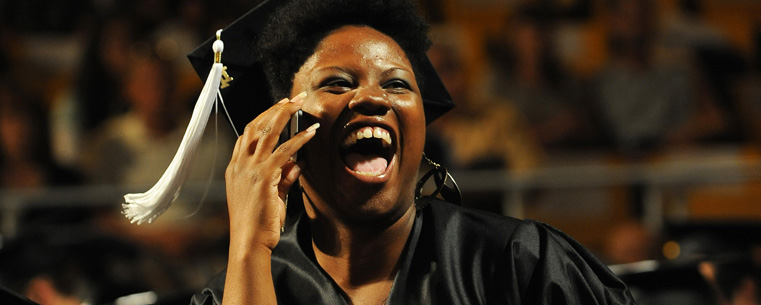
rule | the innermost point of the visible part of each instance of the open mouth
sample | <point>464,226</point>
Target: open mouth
<point>368,150</point>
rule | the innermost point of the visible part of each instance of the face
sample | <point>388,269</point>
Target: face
<point>362,164</point>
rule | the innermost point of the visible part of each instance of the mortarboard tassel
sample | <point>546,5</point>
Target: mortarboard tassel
<point>145,207</point>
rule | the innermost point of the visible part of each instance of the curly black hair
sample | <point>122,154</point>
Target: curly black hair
<point>297,27</point>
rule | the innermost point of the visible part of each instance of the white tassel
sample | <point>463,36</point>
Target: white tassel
<point>145,207</point>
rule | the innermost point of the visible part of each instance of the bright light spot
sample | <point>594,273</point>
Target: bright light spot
<point>671,249</point>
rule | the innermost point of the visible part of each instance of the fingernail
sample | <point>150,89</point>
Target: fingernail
<point>282,101</point>
<point>313,127</point>
<point>299,97</point>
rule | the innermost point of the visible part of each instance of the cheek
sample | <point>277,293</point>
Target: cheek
<point>324,109</point>
<point>413,114</point>
<point>316,108</point>
<point>414,123</point>
<point>418,141</point>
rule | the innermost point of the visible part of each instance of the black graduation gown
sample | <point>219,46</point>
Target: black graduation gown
<point>456,255</point>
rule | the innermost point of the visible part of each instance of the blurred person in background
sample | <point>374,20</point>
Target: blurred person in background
<point>528,75</point>
<point>648,101</point>
<point>735,279</point>
<point>25,156</point>
<point>629,242</point>
<point>716,63</point>
<point>134,147</point>
<point>105,62</point>
<point>26,162</point>
<point>481,133</point>
<point>728,257</point>
<point>73,265</point>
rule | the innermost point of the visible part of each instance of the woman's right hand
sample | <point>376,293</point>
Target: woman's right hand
<point>259,176</point>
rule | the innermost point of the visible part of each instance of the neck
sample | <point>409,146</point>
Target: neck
<point>359,256</point>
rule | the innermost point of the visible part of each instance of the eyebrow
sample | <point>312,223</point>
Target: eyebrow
<point>342,69</point>
<point>385,73</point>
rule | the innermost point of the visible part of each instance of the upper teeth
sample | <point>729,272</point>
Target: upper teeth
<point>368,132</point>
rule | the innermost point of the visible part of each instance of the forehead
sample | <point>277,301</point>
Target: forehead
<point>359,44</point>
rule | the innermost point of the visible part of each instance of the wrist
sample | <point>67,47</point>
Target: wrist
<point>248,237</point>
<point>249,251</point>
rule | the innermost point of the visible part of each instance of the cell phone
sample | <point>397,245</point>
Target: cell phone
<point>294,126</point>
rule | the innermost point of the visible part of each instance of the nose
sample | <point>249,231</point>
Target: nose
<point>370,102</point>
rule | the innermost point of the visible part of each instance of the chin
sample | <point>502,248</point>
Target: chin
<point>383,206</point>
<point>364,205</point>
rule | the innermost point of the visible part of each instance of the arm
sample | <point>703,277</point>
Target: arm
<point>257,180</point>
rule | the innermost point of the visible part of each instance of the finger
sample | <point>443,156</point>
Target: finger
<point>284,152</point>
<point>246,144</point>
<point>272,128</point>
<point>290,174</point>
<point>254,129</point>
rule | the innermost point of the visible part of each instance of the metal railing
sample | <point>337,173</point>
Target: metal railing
<point>715,167</point>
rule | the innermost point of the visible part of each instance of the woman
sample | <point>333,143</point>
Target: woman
<point>363,237</point>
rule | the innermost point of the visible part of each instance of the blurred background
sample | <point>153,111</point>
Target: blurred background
<point>632,125</point>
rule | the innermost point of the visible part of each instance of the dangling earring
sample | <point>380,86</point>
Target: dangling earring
<point>445,186</point>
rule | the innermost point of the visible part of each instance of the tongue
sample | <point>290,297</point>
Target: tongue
<point>366,164</point>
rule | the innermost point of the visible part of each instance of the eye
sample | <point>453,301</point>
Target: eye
<point>397,85</point>
<point>336,84</point>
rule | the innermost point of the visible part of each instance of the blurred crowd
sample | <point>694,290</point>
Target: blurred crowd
<point>100,92</point>
<point>658,81</point>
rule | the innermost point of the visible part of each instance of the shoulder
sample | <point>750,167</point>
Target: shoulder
<point>523,257</point>
<point>477,225</point>
<point>539,251</point>
<point>525,234</point>
<point>467,237</point>
<point>503,234</point>
<point>449,217</point>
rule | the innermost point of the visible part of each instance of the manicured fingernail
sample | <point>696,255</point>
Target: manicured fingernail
<point>299,97</point>
<point>282,101</point>
<point>313,127</point>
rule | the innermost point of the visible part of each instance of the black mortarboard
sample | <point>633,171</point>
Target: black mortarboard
<point>248,93</point>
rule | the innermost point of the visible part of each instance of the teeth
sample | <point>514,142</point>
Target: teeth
<point>368,133</point>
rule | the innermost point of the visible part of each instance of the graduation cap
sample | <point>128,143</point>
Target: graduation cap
<point>238,78</point>
<point>248,94</point>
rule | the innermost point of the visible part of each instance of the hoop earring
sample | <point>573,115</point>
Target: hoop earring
<point>446,187</point>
